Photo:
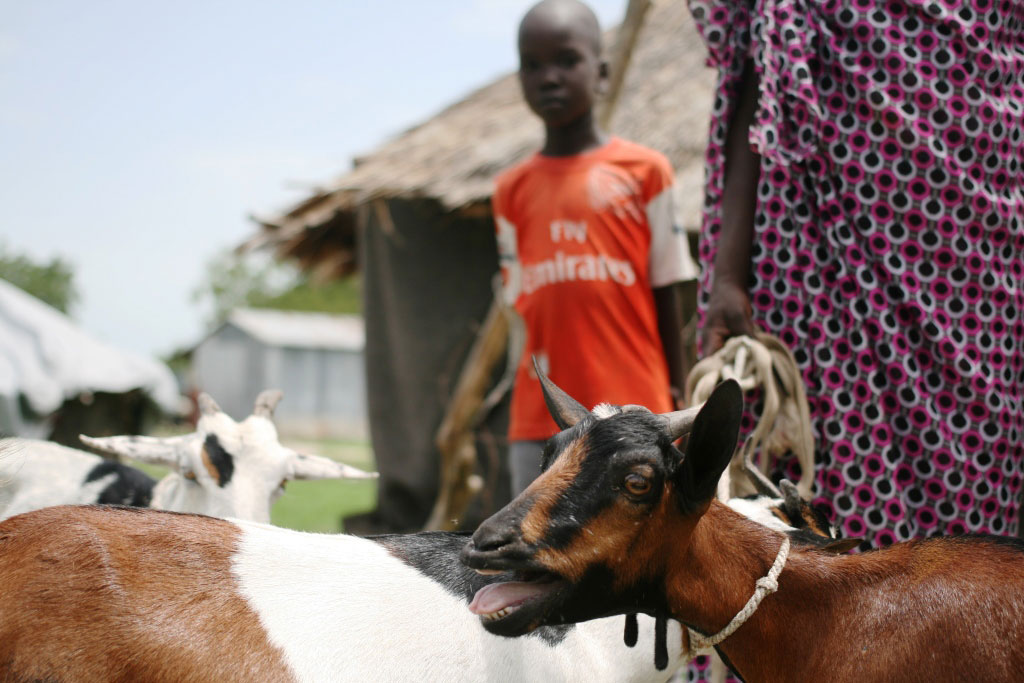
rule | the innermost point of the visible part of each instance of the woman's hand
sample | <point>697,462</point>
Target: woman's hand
<point>728,315</point>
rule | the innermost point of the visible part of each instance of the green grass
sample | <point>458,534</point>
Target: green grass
<point>318,505</point>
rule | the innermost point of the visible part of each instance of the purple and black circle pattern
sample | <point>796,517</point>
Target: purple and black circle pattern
<point>889,245</point>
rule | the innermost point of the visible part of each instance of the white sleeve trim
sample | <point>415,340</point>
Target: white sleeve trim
<point>508,259</point>
<point>670,259</point>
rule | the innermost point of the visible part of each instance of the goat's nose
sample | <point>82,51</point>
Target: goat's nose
<point>492,534</point>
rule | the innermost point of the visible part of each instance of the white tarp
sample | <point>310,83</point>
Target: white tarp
<point>45,358</point>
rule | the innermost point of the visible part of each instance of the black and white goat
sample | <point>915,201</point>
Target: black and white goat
<point>224,468</point>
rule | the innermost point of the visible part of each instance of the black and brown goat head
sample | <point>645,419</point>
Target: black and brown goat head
<point>613,491</point>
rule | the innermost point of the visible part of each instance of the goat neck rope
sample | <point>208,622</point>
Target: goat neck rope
<point>765,586</point>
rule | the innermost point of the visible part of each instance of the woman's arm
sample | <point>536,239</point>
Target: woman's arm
<point>729,312</point>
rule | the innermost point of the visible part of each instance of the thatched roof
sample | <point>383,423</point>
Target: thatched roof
<point>453,157</point>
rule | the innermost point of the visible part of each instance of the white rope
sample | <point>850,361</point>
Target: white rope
<point>785,421</point>
<point>765,586</point>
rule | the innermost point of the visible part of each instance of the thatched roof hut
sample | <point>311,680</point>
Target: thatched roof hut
<point>453,157</point>
<point>414,216</point>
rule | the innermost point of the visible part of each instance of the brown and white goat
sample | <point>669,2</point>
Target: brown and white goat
<point>93,593</point>
<point>620,521</point>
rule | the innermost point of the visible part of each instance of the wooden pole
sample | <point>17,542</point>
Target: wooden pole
<point>455,437</point>
<point>620,56</point>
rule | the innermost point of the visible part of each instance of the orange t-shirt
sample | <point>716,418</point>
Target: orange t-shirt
<point>582,241</point>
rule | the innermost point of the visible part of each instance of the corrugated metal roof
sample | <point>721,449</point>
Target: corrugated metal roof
<point>299,329</point>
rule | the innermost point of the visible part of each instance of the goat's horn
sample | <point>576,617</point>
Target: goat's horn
<point>790,492</point>
<point>207,406</point>
<point>266,402</point>
<point>680,422</point>
<point>565,410</point>
<point>762,483</point>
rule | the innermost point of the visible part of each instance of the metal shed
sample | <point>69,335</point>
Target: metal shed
<point>316,359</point>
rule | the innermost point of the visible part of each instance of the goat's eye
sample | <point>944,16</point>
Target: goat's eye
<point>283,482</point>
<point>191,476</point>
<point>637,484</point>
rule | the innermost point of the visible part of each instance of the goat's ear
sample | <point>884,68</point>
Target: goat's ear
<point>565,410</point>
<point>711,446</point>
<point>158,451</point>
<point>319,467</point>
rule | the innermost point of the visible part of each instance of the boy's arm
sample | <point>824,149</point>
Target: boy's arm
<point>668,304</point>
<point>508,258</point>
<point>729,311</point>
<point>507,241</point>
<point>670,264</point>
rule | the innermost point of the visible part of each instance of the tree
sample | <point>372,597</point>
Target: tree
<point>256,281</point>
<point>50,281</point>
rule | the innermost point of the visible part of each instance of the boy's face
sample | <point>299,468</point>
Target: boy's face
<point>560,69</point>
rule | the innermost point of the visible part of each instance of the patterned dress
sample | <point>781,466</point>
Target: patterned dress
<point>889,244</point>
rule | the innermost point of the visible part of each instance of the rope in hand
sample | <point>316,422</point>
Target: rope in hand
<point>785,423</point>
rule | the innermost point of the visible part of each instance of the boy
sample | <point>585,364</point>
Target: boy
<point>586,243</point>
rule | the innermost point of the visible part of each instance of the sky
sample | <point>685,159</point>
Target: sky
<point>138,138</point>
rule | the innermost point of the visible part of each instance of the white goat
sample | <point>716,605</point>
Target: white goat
<point>223,469</point>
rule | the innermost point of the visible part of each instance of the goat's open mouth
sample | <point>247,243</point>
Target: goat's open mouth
<point>518,605</point>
